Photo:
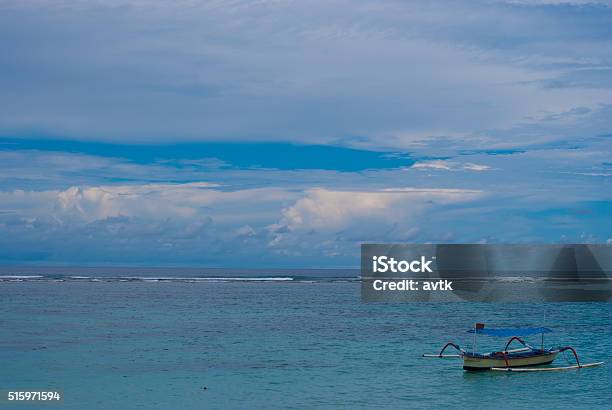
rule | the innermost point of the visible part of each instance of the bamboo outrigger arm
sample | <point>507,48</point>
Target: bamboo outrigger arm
<point>518,339</point>
<point>447,355</point>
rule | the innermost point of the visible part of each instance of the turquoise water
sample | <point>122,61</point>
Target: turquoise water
<point>138,344</point>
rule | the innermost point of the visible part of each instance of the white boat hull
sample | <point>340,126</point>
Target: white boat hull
<point>488,362</point>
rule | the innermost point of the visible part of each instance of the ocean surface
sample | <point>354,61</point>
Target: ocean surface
<point>139,338</point>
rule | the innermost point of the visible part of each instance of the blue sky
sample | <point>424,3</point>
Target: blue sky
<point>283,133</point>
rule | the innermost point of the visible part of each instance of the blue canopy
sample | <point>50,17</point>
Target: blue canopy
<point>511,331</point>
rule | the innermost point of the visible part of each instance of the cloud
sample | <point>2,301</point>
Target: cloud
<point>159,223</point>
<point>340,216</point>
<point>558,2</point>
<point>204,223</point>
<point>450,166</point>
<point>389,73</point>
<point>495,115</point>
<point>144,201</point>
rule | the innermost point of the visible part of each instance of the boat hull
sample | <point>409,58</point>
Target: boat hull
<point>486,362</point>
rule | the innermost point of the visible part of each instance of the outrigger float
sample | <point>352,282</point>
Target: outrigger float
<point>513,360</point>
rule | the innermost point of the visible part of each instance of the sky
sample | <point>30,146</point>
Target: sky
<point>237,133</point>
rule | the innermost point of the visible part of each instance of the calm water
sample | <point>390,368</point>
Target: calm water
<point>290,343</point>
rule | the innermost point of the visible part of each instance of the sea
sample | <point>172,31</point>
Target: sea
<point>171,338</point>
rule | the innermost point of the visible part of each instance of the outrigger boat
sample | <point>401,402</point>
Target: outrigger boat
<point>513,360</point>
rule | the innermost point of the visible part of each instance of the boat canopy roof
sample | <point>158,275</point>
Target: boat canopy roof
<point>511,331</point>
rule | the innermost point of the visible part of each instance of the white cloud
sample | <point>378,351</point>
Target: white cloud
<point>144,201</point>
<point>475,167</point>
<point>203,223</point>
<point>450,166</point>
<point>388,214</point>
<point>140,222</point>
<point>185,201</point>
<point>196,220</point>
<point>245,230</point>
